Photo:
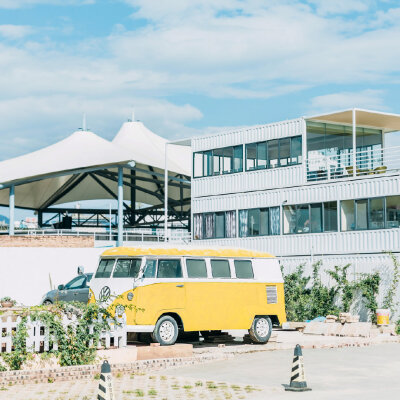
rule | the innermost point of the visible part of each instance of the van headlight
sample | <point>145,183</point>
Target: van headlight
<point>129,296</point>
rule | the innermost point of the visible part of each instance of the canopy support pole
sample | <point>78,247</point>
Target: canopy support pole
<point>354,143</point>
<point>120,207</point>
<point>133,197</point>
<point>166,193</point>
<point>12,210</point>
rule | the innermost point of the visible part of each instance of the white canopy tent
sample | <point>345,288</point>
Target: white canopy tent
<point>85,166</point>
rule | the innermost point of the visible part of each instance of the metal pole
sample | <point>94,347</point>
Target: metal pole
<point>120,207</point>
<point>12,209</point>
<point>354,143</point>
<point>166,193</point>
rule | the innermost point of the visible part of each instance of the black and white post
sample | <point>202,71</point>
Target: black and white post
<point>106,391</point>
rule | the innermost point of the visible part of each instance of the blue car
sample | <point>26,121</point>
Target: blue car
<point>75,290</point>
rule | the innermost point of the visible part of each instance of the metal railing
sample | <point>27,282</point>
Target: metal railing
<point>368,162</point>
<point>129,235</point>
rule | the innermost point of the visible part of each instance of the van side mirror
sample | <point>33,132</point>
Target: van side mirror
<point>81,270</point>
<point>60,287</point>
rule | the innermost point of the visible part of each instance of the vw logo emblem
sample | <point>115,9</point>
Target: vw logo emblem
<point>105,293</point>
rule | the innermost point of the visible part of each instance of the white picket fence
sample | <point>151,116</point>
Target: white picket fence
<point>40,340</point>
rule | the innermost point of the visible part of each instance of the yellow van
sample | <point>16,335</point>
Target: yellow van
<point>164,290</point>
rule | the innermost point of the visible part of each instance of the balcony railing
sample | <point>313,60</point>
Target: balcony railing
<point>368,162</point>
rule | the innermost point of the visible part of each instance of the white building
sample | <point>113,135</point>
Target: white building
<point>309,188</point>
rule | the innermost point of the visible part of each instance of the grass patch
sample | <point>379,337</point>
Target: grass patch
<point>152,392</point>
<point>139,393</point>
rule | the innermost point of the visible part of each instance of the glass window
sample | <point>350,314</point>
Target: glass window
<point>220,269</point>
<point>303,219</point>
<point>243,269</point>
<point>289,219</point>
<point>208,169</point>
<point>330,216</point>
<point>273,156</point>
<point>228,160</point>
<point>275,220</point>
<point>243,223</point>
<point>197,226</point>
<point>264,221</point>
<point>251,156</point>
<point>76,283</point>
<point>127,268</point>
<point>198,165</point>
<point>238,158</point>
<point>230,224</point>
<point>377,213</point>
<point>315,137</point>
<point>105,268</point>
<point>209,223</point>
<point>361,214</point>
<point>316,217</point>
<point>254,222</point>
<point>218,160</point>
<point>261,155</point>
<point>296,150</point>
<point>220,225</point>
<point>284,152</point>
<point>150,268</point>
<point>196,268</point>
<point>392,212</point>
<point>347,215</point>
<point>169,269</point>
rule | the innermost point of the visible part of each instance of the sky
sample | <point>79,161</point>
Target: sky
<point>189,67</point>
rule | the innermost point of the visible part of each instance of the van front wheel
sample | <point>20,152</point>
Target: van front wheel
<point>261,330</point>
<point>166,331</point>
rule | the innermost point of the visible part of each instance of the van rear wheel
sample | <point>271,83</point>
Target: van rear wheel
<point>166,331</point>
<point>261,329</point>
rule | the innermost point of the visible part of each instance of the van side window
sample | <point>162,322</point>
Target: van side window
<point>220,269</point>
<point>105,268</point>
<point>127,268</point>
<point>150,268</point>
<point>169,269</point>
<point>244,269</point>
<point>196,268</point>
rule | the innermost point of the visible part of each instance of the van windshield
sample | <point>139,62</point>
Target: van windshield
<point>127,268</point>
<point>105,268</point>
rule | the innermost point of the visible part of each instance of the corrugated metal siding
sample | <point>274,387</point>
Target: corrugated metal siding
<point>310,193</point>
<point>249,135</point>
<point>247,181</point>
<point>320,243</point>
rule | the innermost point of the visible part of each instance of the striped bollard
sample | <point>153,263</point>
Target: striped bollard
<point>105,386</point>
<point>298,379</point>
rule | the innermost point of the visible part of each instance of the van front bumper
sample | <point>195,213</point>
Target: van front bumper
<point>140,328</point>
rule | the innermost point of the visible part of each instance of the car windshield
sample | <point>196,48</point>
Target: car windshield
<point>127,268</point>
<point>76,283</point>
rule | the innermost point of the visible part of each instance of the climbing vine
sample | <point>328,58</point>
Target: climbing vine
<point>74,341</point>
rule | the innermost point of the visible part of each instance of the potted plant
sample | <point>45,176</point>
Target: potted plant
<point>7,302</point>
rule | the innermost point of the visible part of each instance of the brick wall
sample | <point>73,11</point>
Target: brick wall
<point>46,241</point>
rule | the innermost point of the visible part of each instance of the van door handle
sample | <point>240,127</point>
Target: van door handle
<point>179,285</point>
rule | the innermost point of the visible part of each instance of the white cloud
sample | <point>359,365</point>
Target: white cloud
<point>367,99</point>
<point>14,4</point>
<point>15,31</point>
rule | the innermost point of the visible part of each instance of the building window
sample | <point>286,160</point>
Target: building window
<point>310,218</point>
<point>362,214</point>
<point>214,225</point>
<point>392,212</point>
<point>259,222</point>
<point>330,216</point>
<point>273,153</point>
<point>225,160</point>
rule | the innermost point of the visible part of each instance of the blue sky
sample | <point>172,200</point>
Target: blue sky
<point>189,67</point>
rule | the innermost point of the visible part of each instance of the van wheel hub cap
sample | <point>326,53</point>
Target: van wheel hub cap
<point>262,327</point>
<point>167,331</point>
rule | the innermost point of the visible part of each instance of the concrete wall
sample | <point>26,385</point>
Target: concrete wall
<point>25,272</point>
